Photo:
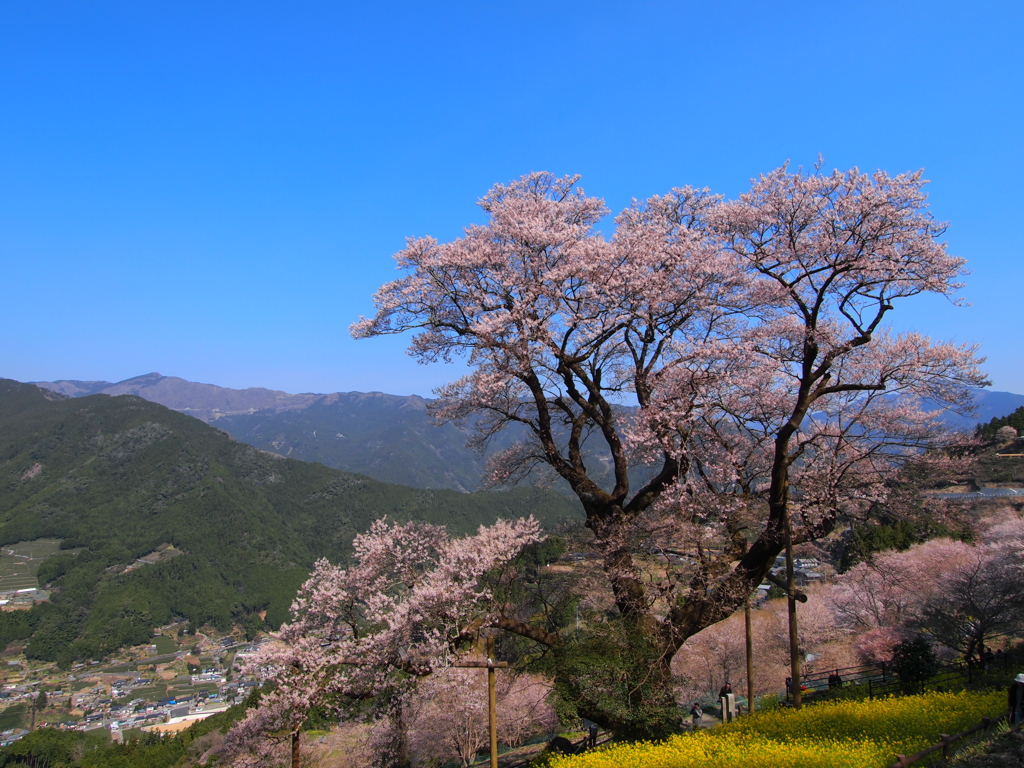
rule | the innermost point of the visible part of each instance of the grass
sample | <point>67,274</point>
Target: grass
<point>15,716</point>
<point>1002,749</point>
<point>164,644</point>
<point>150,692</point>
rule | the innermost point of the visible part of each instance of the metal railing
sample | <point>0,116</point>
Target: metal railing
<point>820,681</point>
<point>881,679</point>
<point>953,672</point>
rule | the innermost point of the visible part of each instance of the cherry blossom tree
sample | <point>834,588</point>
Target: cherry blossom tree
<point>447,717</point>
<point>736,351</point>
<point>888,591</point>
<point>1006,435</point>
<point>978,599</point>
<point>962,595</point>
<point>409,601</point>
<point>447,714</point>
<point>717,653</point>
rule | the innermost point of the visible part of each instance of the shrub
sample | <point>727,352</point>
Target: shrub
<point>914,662</point>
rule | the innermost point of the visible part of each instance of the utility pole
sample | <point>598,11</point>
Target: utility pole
<point>794,636</point>
<point>492,703</point>
<point>750,657</point>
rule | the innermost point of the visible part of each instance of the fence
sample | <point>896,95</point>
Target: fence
<point>575,748</point>
<point>949,673</point>
<point>821,681</point>
<point>881,679</point>
<point>902,761</point>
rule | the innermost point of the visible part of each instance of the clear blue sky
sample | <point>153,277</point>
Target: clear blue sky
<point>214,190</point>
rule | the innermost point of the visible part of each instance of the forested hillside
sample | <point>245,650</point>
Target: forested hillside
<point>371,433</point>
<point>388,437</point>
<point>118,477</point>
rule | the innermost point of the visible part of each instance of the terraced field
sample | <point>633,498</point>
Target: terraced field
<point>19,563</point>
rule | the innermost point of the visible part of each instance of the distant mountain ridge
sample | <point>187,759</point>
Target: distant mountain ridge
<point>117,478</point>
<point>204,401</point>
<point>388,437</point>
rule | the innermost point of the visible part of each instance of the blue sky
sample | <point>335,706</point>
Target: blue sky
<point>215,190</point>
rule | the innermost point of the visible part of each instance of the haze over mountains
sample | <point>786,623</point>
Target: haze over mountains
<point>387,437</point>
<point>204,401</point>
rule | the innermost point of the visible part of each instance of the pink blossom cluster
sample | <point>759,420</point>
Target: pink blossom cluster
<point>749,338</point>
<point>446,717</point>
<point>963,595</point>
<point>400,610</point>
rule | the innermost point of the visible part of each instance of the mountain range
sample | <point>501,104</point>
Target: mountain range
<point>124,483</point>
<point>127,474</point>
<point>387,437</point>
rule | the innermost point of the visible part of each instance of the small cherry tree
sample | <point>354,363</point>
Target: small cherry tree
<point>960,594</point>
<point>748,339</point>
<point>446,717</point>
<point>1006,435</point>
<point>980,598</point>
<point>363,635</point>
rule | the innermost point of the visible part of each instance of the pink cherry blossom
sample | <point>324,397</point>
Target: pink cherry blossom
<point>405,606</point>
<point>748,339</point>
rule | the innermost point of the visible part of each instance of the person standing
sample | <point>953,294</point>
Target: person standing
<point>1015,700</point>
<point>696,713</point>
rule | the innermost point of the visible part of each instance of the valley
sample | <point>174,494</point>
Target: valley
<point>123,518</point>
<point>124,483</point>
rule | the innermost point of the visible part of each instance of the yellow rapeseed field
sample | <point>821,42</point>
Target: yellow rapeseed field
<point>842,734</point>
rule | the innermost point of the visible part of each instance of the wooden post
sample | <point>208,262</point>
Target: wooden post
<point>492,694</point>
<point>492,703</point>
<point>794,636</point>
<point>492,714</point>
<point>750,657</point>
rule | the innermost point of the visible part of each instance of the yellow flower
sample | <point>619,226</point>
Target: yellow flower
<point>842,734</point>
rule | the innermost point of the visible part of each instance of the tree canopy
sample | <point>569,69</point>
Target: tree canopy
<point>749,334</point>
<point>729,359</point>
<point>1014,420</point>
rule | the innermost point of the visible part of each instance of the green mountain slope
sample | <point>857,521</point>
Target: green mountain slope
<point>383,436</point>
<point>388,437</point>
<point>121,476</point>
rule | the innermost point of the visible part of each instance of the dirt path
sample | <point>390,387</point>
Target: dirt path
<point>1005,751</point>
